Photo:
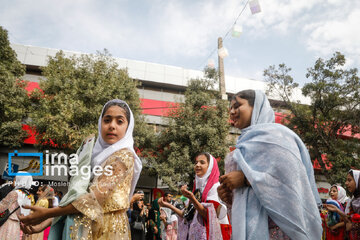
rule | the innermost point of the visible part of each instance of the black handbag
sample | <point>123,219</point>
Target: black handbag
<point>137,225</point>
<point>4,216</point>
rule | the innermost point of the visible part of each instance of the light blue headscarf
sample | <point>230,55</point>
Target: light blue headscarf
<point>277,164</point>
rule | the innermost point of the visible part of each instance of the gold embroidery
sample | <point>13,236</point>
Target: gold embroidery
<point>104,208</point>
<point>82,229</point>
<point>115,224</point>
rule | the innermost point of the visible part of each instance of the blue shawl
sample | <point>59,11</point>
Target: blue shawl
<point>277,164</point>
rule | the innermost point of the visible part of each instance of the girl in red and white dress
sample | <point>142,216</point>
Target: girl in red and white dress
<point>210,220</point>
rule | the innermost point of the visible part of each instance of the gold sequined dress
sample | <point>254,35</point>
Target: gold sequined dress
<point>104,207</point>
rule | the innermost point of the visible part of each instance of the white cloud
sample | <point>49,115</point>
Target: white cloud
<point>338,34</point>
<point>184,33</point>
<point>64,23</point>
<point>278,15</point>
<point>323,27</point>
<point>193,29</point>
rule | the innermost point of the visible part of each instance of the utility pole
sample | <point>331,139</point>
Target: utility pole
<point>222,88</point>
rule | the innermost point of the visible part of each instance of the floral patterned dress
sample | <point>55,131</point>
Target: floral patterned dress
<point>11,228</point>
<point>196,229</point>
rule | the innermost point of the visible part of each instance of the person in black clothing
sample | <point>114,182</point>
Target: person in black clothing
<point>152,229</point>
<point>138,215</point>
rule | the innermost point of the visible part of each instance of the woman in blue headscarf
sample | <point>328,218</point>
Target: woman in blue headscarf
<point>272,189</point>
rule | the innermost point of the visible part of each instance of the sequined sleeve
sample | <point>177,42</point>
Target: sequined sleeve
<point>108,192</point>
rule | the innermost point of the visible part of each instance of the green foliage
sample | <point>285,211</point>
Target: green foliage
<point>72,96</point>
<point>280,82</point>
<point>334,110</point>
<point>200,124</point>
<point>14,101</point>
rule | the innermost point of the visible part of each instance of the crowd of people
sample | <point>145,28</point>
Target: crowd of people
<point>268,190</point>
<point>14,195</point>
<point>341,214</point>
<point>150,221</point>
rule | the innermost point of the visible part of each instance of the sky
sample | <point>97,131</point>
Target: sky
<point>184,33</point>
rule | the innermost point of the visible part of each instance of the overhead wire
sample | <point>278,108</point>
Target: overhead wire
<point>236,20</point>
<point>226,34</point>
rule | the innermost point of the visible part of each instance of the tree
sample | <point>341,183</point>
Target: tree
<point>200,124</point>
<point>334,110</point>
<point>71,98</point>
<point>14,101</point>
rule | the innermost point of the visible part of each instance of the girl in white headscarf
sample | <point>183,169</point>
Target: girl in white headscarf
<point>101,210</point>
<point>338,193</point>
<point>16,199</point>
<point>352,211</point>
<point>334,223</point>
<point>210,220</point>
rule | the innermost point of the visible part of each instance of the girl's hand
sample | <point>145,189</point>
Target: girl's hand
<point>331,208</point>
<point>36,228</point>
<point>38,215</point>
<point>232,180</point>
<point>187,193</point>
<point>333,228</point>
<point>163,218</point>
<point>30,229</point>
<point>346,219</point>
<point>162,203</point>
<point>348,226</point>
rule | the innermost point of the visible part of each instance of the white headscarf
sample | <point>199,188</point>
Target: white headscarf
<point>212,195</point>
<point>342,198</point>
<point>47,193</point>
<point>356,175</point>
<point>102,150</point>
<point>23,182</point>
<point>201,181</point>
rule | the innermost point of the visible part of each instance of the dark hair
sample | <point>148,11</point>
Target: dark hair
<point>207,155</point>
<point>51,204</point>
<point>136,206</point>
<point>166,194</point>
<point>248,95</point>
<point>122,105</point>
